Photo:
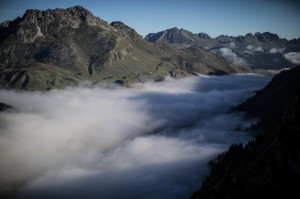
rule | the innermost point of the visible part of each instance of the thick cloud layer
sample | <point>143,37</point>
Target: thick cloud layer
<point>149,141</point>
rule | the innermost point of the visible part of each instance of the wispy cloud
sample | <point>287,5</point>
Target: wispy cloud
<point>231,56</point>
<point>232,45</point>
<point>293,57</point>
<point>252,49</point>
<point>276,50</point>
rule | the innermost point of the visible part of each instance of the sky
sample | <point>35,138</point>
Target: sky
<point>214,17</point>
<point>150,141</point>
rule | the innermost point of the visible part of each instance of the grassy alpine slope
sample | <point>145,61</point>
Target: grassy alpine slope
<point>60,47</point>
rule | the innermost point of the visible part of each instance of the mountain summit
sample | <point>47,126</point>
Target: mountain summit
<point>60,47</point>
<point>182,37</point>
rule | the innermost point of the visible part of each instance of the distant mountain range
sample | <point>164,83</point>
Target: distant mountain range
<point>60,47</point>
<point>261,50</point>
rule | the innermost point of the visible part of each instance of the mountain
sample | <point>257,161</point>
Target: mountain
<point>270,102</point>
<point>181,37</point>
<point>268,166</point>
<point>60,47</point>
<point>259,51</point>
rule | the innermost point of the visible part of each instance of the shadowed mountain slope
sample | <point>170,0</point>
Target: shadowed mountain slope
<point>268,166</point>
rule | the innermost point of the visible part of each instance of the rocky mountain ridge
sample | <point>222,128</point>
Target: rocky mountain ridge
<point>260,50</point>
<point>60,47</point>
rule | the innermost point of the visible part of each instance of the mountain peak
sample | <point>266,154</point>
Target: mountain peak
<point>175,35</point>
<point>125,30</point>
<point>174,28</point>
<point>271,36</point>
<point>31,13</point>
<point>266,36</point>
<point>75,11</point>
<point>120,25</point>
<point>249,35</point>
<point>204,35</point>
<point>79,10</point>
<point>36,24</point>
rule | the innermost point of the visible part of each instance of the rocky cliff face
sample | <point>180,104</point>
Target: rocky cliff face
<point>59,47</point>
<point>268,166</point>
<point>261,50</point>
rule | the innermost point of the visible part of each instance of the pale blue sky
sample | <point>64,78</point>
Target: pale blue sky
<point>215,17</point>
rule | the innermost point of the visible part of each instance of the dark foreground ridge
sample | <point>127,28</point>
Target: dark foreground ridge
<point>61,47</point>
<point>269,165</point>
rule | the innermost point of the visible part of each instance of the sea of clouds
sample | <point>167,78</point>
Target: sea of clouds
<point>149,141</point>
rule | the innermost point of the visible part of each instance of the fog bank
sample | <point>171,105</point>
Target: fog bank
<point>149,141</point>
